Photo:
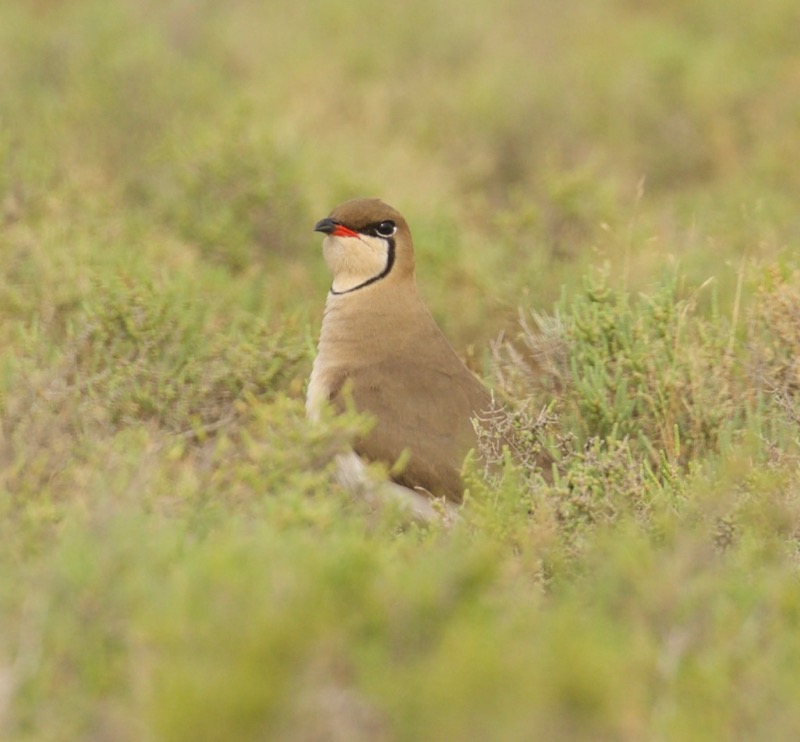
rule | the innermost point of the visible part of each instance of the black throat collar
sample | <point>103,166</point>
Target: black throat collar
<point>385,272</point>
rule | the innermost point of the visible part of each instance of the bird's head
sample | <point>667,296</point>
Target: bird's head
<point>366,242</point>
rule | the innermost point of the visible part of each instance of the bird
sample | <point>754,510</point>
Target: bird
<point>381,351</point>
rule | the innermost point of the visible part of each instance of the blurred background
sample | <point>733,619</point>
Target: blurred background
<point>176,562</point>
<point>522,140</point>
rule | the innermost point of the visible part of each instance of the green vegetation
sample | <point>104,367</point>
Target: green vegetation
<point>610,185</point>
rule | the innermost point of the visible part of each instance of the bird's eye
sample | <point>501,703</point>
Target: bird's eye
<point>386,229</point>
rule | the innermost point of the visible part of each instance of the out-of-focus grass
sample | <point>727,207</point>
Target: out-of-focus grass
<point>175,559</point>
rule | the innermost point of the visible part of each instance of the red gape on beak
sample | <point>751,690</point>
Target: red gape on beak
<point>330,226</point>
<point>342,231</point>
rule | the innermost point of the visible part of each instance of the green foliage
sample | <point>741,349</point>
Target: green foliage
<point>231,194</point>
<point>647,370</point>
<point>147,358</point>
<point>776,342</point>
<point>137,355</point>
<point>650,370</point>
<point>176,558</point>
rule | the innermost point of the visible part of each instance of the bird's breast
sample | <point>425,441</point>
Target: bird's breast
<point>340,348</point>
<point>319,388</point>
<point>356,333</point>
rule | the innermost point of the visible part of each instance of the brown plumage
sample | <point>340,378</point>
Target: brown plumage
<point>380,347</point>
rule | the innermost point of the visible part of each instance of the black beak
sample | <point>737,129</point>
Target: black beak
<point>326,225</point>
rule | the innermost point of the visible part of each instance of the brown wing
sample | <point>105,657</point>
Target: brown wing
<point>426,410</point>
